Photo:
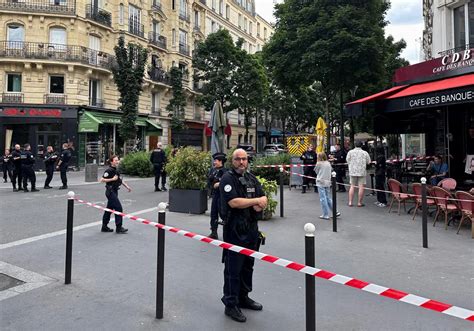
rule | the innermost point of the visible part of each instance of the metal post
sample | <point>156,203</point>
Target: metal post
<point>69,226</point>
<point>424,222</point>
<point>310,280</point>
<point>334,202</point>
<point>160,261</point>
<point>282,178</point>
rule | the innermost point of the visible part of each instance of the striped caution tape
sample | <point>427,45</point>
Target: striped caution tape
<point>462,313</point>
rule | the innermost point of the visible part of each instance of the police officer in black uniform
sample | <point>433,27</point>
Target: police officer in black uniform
<point>17,177</point>
<point>112,180</point>
<point>242,202</point>
<point>50,159</point>
<point>309,157</point>
<point>63,164</point>
<point>214,178</point>
<point>7,166</point>
<point>158,159</point>
<point>340,166</point>
<point>27,163</point>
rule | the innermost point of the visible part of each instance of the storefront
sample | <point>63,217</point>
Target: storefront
<point>40,126</point>
<point>192,135</point>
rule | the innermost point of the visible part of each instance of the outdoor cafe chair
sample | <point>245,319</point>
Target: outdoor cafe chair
<point>467,209</point>
<point>417,192</point>
<point>444,202</point>
<point>448,184</point>
<point>397,194</point>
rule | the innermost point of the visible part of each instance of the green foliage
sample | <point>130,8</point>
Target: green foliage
<point>176,107</point>
<point>188,169</point>
<point>270,188</point>
<point>128,76</point>
<point>271,173</point>
<point>137,164</point>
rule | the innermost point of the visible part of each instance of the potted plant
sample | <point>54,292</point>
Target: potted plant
<point>270,188</point>
<point>187,172</point>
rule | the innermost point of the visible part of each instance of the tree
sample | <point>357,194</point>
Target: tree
<point>128,76</point>
<point>176,106</point>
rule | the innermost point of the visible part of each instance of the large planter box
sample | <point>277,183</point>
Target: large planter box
<point>188,201</point>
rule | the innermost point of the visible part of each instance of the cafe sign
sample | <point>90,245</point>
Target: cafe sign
<point>455,61</point>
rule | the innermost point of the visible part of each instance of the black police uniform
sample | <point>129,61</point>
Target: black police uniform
<point>380,169</point>
<point>240,228</point>
<point>215,176</point>
<point>17,175</point>
<point>27,163</point>
<point>65,158</point>
<point>113,202</point>
<point>49,162</point>
<point>309,157</point>
<point>158,159</point>
<point>340,168</point>
<point>7,167</point>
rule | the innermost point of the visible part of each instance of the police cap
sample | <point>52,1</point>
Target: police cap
<point>219,156</point>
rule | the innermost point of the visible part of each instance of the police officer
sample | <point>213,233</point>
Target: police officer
<point>17,176</point>
<point>7,166</point>
<point>215,176</point>
<point>112,180</point>
<point>27,163</point>
<point>158,159</point>
<point>242,202</point>
<point>309,157</point>
<point>63,164</point>
<point>340,166</point>
<point>50,159</point>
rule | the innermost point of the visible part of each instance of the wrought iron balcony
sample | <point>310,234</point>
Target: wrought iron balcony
<point>156,111</point>
<point>185,17</point>
<point>94,102</point>
<point>456,49</point>
<point>136,29</point>
<point>197,29</point>
<point>55,52</point>
<point>12,97</point>
<point>99,15</point>
<point>55,99</point>
<point>43,6</point>
<point>159,75</point>
<point>184,49</point>
<point>156,5</point>
<point>157,40</point>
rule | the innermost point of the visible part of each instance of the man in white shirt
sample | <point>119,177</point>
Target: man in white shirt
<point>358,159</point>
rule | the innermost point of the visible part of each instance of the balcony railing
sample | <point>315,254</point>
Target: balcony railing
<point>197,29</point>
<point>99,15</point>
<point>184,49</point>
<point>456,49</point>
<point>157,40</point>
<point>43,6</point>
<point>156,111</point>
<point>159,75</point>
<point>12,97</point>
<point>94,102</point>
<point>56,52</point>
<point>55,99</point>
<point>156,5</point>
<point>136,29</point>
<point>185,17</point>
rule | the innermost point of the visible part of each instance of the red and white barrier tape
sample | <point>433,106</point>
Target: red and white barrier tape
<point>462,313</point>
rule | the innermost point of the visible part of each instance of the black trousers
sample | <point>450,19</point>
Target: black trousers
<point>28,174</point>
<point>49,174</point>
<point>17,177</point>
<point>216,201</point>
<point>63,171</point>
<point>159,173</point>
<point>380,185</point>
<point>340,174</point>
<point>309,171</point>
<point>7,171</point>
<point>113,202</point>
<point>238,272</point>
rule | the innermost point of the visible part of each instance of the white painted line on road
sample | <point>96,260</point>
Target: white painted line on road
<point>61,232</point>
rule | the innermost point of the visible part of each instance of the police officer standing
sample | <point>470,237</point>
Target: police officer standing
<point>17,177</point>
<point>158,159</point>
<point>27,163</point>
<point>309,157</point>
<point>242,203</point>
<point>340,166</point>
<point>7,166</point>
<point>63,164</point>
<point>215,176</point>
<point>50,159</point>
<point>112,180</point>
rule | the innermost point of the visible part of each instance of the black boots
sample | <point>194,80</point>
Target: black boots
<point>121,230</point>
<point>64,187</point>
<point>249,304</point>
<point>235,314</point>
<point>213,234</point>
<point>47,187</point>
<point>105,228</point>
<point>164,189</point>
<point>157,189</point>
<point>304,189</point>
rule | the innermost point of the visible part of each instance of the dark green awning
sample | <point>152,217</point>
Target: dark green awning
<point>89,123</point>
<point>153,128</point>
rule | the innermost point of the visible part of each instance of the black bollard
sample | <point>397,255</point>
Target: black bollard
<point>310,280</point>
<point>424,222</point>
<point>282,178</point>
<point>334,202</point>
<point>160,262</point>
<point>69,229</point>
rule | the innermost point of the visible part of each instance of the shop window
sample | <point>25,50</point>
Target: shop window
<point>56,84</point>
<point>14,83</point>
<point>15,35</point>
<point>95,93</point>
<point>58,37</point>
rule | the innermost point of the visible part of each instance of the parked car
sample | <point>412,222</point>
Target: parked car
<point>274,149</point>
<point>249,149</point>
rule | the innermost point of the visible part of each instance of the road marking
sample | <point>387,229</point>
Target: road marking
<point>61,232</point>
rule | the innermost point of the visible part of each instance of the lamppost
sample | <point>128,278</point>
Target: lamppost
<point>353,92</point>
<point>328,130</point>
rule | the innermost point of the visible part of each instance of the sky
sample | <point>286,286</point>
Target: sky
<point>405,22</point>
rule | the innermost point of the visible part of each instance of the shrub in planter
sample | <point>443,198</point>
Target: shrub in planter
<point>271,173</point>
<point>137,164</point>
<point>270,188</point>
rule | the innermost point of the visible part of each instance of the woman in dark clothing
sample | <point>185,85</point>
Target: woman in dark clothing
<point>380,168</point>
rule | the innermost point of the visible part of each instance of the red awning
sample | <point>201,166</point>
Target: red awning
<point>444,84</point>
<point>378,95</point>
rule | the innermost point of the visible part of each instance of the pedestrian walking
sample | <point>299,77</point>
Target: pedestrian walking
<point>358,159</point>
<point>7,166</point>
<point>243,201</point>
<point>215,175</point>
<point>17,176</point>
<point>158,159</point>
<point>50,159</point>
<point>63,164</point>
<point>380,170</point>
<point>27,163</point>
<point>112,180</point>
<point>309,159</point>
<point>323,171</point>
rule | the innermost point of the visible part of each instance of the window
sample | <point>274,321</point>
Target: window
<point>214,5</point>
<point>258,29</point>
<point>95,93</point>
<point>134,17</point>
<point>173,36</point>
<point>245,24</point>
<point>250,48</point>
<point>57,36</point>
<point>183,37</point>
<point>250,28</point>
<point>221,7</point>
<point>155,102</point>
<point>227,11</point>
<point>463,18</point>
<point>155,26</point>
<point>15,35</point>
<point>173,4</point>
<point>56,84</point>
<point>196,19</point>
<point>264,33</point>
<point>240,21</point>
<point>183,8</point>
<point>121,14</point>
<point>94,42</point>
<point>14,83</point>
<point>213,26</point>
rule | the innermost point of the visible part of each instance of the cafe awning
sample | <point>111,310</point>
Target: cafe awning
<point>153,128</point>
<point>89,123</point>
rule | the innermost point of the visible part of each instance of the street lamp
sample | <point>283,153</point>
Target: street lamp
<point>353,93</point>
<point>328,131</point>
